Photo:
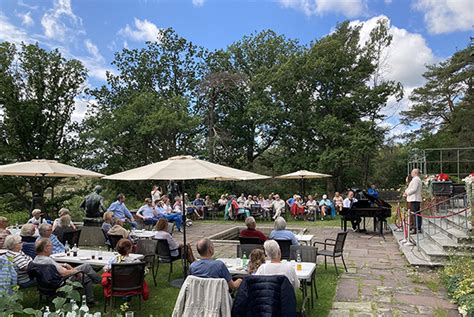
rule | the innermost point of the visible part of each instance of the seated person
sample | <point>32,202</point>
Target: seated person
<point>256,259</point>
<point>280,233</point>
<point>208,201</point>
<point>4,232</point>
<point>276,267</point>
<point>177,249</point>
<point>62,212</point>
<point>108,221</point>
<point>124,248</point>
<point>177,218</point>
<point>326,206</point>
<point>118,229</point>
<point>266,205</point>
<point>249,202</point>
<point>199,204</point>
<point>28,237</point>
<point>348,202</point>
<point>121,211</point>
<point>8,274</point>
<point>372,191</point>
<point>233,209</point>
<point>46,231</point>
<point>278,206</point>
<point>222,202</point>
<point>65,225</point>
<point>251,232</point>
<point>209,268</point>
<point>19,259</point>
<point>148,213</point>
<point>312,206</point>
<point>44,250</point>
<point>338,201</point>
<point>37,218</point>
<point>297,208</point>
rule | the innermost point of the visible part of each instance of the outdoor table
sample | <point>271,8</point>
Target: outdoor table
<point>143,234</point>
<point>235,268</point>
<point>306,238</point>
<point>14,231</point>
<point>85,256</point>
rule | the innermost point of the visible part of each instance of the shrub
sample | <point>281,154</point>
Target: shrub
<point>458,276</point>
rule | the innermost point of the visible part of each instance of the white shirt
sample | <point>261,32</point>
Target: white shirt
<point>278,204</point>
<point>413,190</point>
<point>280,269</point>
<point>347,202</point>
<point>155,195</point>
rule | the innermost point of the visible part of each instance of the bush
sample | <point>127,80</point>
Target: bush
<point>458,276</point>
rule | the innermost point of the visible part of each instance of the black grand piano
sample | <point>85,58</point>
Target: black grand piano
<point>367,207</point>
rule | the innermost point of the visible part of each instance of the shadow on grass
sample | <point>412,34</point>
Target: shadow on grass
<point>163,296</point>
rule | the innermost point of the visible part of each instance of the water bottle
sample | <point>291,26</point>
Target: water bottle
<point>99,254</point>
<point>46,311</point>
<point>244,261</point>
<point>84,309</point>
<point>74,309</point>
<point>67,249</point>
<point>299,266</point>
<point>74,250</point>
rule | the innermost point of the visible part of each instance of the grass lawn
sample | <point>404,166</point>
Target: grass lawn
<point>163,296</point>
<point>336,222</point>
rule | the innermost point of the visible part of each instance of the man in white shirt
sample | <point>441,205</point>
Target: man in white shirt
<point>278,206</point>
<point>276,267</point>
<point>347,203</point>
<point>413,196</point>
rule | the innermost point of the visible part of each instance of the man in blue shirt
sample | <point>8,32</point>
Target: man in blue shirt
<point>198,204</point>
<point>148,213</point>
<point>121,211</point>
<point>372,191</point>
<point>161,213</point>
<point>45,231</point>
<point>210,268</point>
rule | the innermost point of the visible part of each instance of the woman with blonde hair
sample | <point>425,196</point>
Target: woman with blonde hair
<point>65,225</point>
<point>257,258</point>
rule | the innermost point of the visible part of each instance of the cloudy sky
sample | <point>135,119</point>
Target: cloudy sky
<point>424,31</point>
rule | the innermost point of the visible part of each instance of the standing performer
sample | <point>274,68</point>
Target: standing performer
<point>413,196</point>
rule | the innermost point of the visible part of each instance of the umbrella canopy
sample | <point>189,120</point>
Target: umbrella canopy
<point>45,168</point>
<point>185,168</point>
<point>301,174</point>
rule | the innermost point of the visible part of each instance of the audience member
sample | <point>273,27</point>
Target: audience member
<point>156,193</point>
<point>124,248</point>
<point>251,232</point>
<point>62,212</point>
<point>312,206</point>
<point>372,191</point>
<point>65,225</point>
<point>280,233</point>
<point>210,268</point>
<point>278,206</point>
<point>37,218</point>
<point>118,229</point>
<point>46,231</point>
<point>176,218</point>
<point>8,276</point>
<point>256,259</point>
<point>326,206</point>
<point>148,213</point>
<point>297,207</point>
<point>108,221</point>
<point>338,201</point>
<point>19,259</point>
<point>4,232</point>
<point>177,249</point>
<point>276,267</point>
<point>121,211</point>
<point>28,236</point>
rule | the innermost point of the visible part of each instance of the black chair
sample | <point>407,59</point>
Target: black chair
<point>284,248</point>
<point>48,279</point>
<point>71,237</point>
<point>163,255</point>
<point>114,239</point>
<point>250,240</point>
<point>126,280</point>
<point>256,211</point>
<point>247,249</point>
<point>337,251</point>
<point>307,254</point>
<point>107,240</point>
<point>29,249</point>
<point>147,248</point>
<point>171,226</point>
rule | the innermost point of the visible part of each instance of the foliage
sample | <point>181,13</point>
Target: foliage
<point>458,276</point>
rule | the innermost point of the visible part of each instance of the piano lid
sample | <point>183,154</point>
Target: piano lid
<point>377,201</point>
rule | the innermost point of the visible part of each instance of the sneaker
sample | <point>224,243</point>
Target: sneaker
<point>322,219</point>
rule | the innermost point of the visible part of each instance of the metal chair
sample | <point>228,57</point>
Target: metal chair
<point>171,227</point>
<point>284,248</point>
<point>147,248</point>
<point>307,254</point>
<point>247,249</point>
<point>256,211</point>
<point>107,240</point>
<point>114,239</point>
<point>337,251</point>
<point>71,237</point>
<point>250,240</point>
<point>126,280</point>
<point>163,255</point>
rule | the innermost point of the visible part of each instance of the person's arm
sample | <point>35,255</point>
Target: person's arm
<point>233,285</point>
<point>294,241</point>
<point>412,187</point>
<point>139,213</point>
<point>127,212</point>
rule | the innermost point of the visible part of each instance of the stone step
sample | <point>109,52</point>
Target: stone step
<point>442,240</point>
<point>460,221</point>
<point>431,249</point>
<point>444,226</point>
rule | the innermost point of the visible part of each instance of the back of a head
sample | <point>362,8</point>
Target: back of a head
<point>124,246</point>
<point>203,246</point>
<point>3,222</point>
<point>272,249</point>
<point>280,223</point>
<point>40,245</point>
<point>162,225</point>
<point>65,221</point>
<point>63,211</point>
<point>250,222</point>
<point>27,230</point>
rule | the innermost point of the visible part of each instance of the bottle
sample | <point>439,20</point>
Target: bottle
<point>244,261</point>
<point>74,250</point>
<point>84,309</point>
<point>299,266</point>
<point>67,249</point>
<point>46,311</point>
<point>74,309</point>
<point>99,254</point>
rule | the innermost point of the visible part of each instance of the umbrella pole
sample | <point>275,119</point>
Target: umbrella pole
<point>179,282</point>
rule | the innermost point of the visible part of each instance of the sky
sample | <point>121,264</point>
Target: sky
<point>424,31</point>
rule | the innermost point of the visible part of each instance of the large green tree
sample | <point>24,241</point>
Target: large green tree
<point>37,98</point>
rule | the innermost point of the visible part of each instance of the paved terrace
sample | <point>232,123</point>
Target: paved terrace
<point>379,281</point>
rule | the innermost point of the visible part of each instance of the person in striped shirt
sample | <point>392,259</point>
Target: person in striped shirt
<point>8,276</point>
<point>19,259</point>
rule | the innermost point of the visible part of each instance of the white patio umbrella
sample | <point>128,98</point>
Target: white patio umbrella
<point>183,168</point>
<point>45,168</point>
<point>302,175</point>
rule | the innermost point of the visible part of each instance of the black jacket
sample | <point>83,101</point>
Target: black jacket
<point>265,296</point>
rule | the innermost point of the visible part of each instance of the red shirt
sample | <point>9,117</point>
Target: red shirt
<point>252,233</point>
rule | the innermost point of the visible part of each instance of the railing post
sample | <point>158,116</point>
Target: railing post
<point>417,233</point>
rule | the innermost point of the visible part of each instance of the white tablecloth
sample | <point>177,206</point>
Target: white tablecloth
<point>304,238</point>
<point>143,234</point>
<point>85,256</point>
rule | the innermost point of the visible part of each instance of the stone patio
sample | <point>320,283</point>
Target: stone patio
<point>379,281</point>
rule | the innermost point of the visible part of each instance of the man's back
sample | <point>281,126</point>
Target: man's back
<point>209,268</point>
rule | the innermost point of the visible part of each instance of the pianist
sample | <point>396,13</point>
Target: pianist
<point>347,203</point>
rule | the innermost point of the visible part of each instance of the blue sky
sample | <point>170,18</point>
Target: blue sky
<point>424,31</point>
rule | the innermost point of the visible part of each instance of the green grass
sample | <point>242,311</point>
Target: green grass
<point>163,296</point>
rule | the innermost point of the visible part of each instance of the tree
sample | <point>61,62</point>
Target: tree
<point>446,86</point>
<point>37,97</point>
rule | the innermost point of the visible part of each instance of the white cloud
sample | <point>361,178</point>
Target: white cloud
<point>94,62</point>
<point>198,3</point>
<point>11,33</point>
<point>143,30</point>
<point>81,105</point>
<point>445,16</point>
<point>349,8</point>
<point>60,22</point>
<point>26,5</point>
<point>26,18</point>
